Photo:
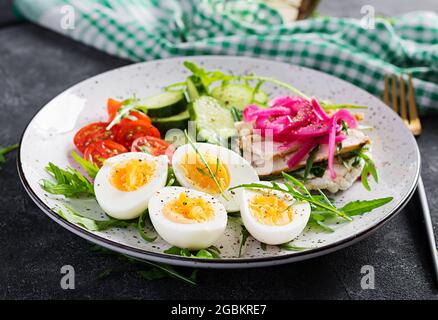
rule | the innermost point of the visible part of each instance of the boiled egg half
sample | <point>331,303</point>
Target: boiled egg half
<point>126,182</point>
<point>273,217</point>
<point>213,169</point>
<point>187,218</point>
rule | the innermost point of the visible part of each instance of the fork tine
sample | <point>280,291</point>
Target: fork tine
<point>403,110</point>
<point>386,90</point>
<point>415,124</point>
<point>394,93</point>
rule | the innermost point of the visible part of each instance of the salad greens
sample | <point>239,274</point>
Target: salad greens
<point>290,247</point>
<point>209,253</point>
<point>322,207</point>
<point>369,167</point>
<point>309,162</point>
<point>89,167</point>
<point>69,183</point>
<point>75,217</point>
<point>244,234</point>
<point>153,270</point>
<point>5,151</point>
<point>142,220</point>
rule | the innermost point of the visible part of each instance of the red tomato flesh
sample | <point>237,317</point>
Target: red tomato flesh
<point>153,145</point>
<point>131,130</point>
<point>92,133</point>
<point>98,151</point>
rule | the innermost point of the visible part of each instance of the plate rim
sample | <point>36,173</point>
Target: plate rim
<point>202,262</point>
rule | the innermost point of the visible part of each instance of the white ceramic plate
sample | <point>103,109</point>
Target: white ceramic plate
<point>49,137</point>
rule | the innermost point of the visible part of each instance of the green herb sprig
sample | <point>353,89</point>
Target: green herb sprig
<point>5,151</point>
<point>309,161</point>
<point>210,171</point>
<point>209,253</point>
<point>290,247</point>
<point>142,220</point>
<point>153,270</point>
<point>89,167</point>
<point>368,168</point>
<point>75,217</point>
<point>69,183</point>
<point>322,207</point>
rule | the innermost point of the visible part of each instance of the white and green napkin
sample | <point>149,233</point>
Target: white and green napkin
<point>151,29</point>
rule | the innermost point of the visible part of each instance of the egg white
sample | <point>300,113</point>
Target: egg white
<point>128,205</point>
<point>193,235</point>
<point>240,171</point>
<point>271,234</point>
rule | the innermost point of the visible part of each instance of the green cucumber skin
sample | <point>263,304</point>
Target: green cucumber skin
<point>212,137</point>
<point>166,109</point>
<point>163,127</point>
<point>238,96</point>
<point>179,121</point>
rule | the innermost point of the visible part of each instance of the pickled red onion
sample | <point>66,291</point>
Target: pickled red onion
<point>295,120</point>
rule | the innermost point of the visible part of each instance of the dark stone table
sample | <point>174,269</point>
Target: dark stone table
<point>36,65</point>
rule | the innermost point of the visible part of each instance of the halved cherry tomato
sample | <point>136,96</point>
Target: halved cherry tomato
<point>153,145</point>
<point>91,133</point>
<point>98,151</point>
<point>112,107</point>
<point>140,116</point>
<point>131,130</point>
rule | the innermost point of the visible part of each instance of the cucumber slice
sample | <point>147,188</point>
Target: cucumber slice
<point>178,121</point>
<point>238,95</point>
<point>192,89</point>
<point>213,121</point>
<point>165,104</point>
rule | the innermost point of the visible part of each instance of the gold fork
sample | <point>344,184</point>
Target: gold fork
<point>410,118</point>
<point>412,121</point>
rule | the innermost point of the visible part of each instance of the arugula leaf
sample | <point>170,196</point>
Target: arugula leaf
<point>5,151</point>
<point>205,254</point>
<point>153,274</point>
<point>171,179</point>
<point>322,208</point>
<point>209,77</point>
<point>89,167</point>
<point>290,247</point>
<point>154,271</point>
<point>208,253</point>
<point>309,161</point>
<point>319,169</point>
<point>245,234</point>
<point>210,172</point>
<point>237,114</point>
<point>73,216</point>
<point>359,207</point>
<point>141,224</point>
<point>263,246</point>
<point>69,183</point>
<point>369,167</point>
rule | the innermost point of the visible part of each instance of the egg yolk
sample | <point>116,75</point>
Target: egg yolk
<point>213,181</point>
<point>188,210</point>
<point>131,175</point>
<point>270,210</point>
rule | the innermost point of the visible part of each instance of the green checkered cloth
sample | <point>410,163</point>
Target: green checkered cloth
<point>151,29</point>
